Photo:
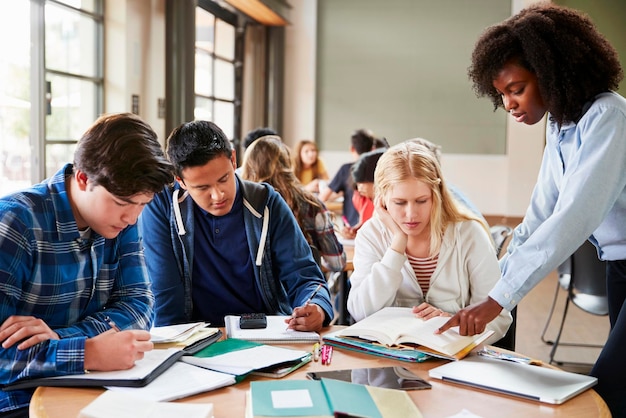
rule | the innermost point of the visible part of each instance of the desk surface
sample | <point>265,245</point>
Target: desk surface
<point>443,400</point>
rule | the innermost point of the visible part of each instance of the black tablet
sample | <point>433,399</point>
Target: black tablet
<point>383,377</point>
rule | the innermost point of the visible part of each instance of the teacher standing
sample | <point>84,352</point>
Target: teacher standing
<point>552,59</point>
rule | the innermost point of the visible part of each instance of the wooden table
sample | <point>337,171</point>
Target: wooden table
<point>443,400</point>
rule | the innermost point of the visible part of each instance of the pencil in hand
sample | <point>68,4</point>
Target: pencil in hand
<point>313,294</point>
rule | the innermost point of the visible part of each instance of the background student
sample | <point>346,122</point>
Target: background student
<point>252,136</point>
<point>361,141</point>
<point>552,59</point>
<point>419,250</point>
<point>268,160</point>
<point>363,197</point>
<point>217,245</point>
<point>71,262</point>
<point>307,165</point>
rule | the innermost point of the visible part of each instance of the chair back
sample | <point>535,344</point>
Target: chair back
<point>500,234</point>
<point>588,280</point>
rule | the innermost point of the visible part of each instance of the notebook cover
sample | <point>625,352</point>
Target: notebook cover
<point>86,380</point>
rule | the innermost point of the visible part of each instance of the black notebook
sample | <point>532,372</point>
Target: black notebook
<point>143,372</point>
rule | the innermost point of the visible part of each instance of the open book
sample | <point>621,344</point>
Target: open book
<point>394,326</point>
<point>190,338</point>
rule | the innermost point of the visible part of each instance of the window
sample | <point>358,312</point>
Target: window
<point>215,82</point>
<point>50,92</point>
<point>73,72</point>
<point>15,92</point>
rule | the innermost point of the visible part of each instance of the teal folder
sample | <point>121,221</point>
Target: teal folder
<point>229,345</point>
<point>292,398</point>
<point>354,344</point>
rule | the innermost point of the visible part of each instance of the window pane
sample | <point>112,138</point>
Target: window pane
<point>15,93</point>
<point>225,40</point>
<point>225,76</point>
<point>57,155</point>
<point>203,110</point>
<point>87,5</point>
<point>204,73</point>
<point>70,42</point>
<point>225,117</point>
<point>204,29</point>
<point>73,108</point>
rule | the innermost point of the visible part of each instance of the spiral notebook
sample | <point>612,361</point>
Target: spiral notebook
<point>275,332</point>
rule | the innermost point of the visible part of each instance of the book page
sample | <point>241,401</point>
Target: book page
<point>397,325</point>
<point>175,333</point>
<point>179,381</point>
<point>385,326</point>
<point>244,361</point>
<point>196,336</point>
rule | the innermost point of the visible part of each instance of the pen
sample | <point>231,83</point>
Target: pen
<point>345,221</point>
<point>316,351</point>
<point>313,294</point>
<point>317,289</point>
<point>112,324</point>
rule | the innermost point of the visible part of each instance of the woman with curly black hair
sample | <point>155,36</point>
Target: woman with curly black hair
<point>552,59</point>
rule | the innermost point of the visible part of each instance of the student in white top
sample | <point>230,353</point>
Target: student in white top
<point>420,249</point>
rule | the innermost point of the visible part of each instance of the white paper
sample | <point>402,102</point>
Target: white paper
<point>174,333</point>
<point>276,330</point>
<point>300,398</point>
<point>244,361</point>
<point>179,381</point>
<point>122,405</point>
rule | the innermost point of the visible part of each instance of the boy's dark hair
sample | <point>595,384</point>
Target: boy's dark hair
<point>363,169</point>
<point>380,143</point>
<point>362,140</point>
<point>573,62</point>
<point>195,143</point>
<point>121,153</point>
<point>257,133</point>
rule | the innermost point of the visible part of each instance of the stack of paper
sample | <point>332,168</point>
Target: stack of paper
<point>175,333</point>
<point>179,381</point>
<point>239,357</point>
<point>191,338</point>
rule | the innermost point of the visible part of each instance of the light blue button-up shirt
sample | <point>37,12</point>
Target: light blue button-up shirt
<point>580,194</point>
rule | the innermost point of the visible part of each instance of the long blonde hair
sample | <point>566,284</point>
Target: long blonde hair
<point>410,160</point>
<point>267,159</point>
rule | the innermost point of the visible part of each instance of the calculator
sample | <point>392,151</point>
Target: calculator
<point>253,321</point>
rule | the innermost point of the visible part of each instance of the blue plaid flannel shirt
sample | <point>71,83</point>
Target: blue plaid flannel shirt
<point>74,285</point>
